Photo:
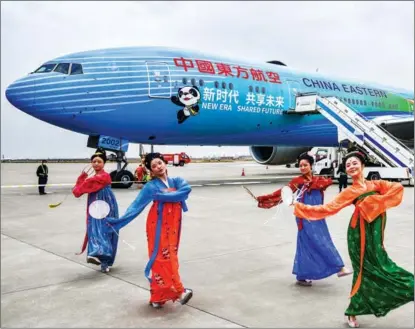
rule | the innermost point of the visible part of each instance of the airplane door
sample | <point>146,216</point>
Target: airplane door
<point>294,88</point>
<point>159,80</point>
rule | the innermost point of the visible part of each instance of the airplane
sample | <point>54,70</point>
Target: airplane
<point>165,96</point>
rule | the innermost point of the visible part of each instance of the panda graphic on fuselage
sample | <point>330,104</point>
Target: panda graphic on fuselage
<point>188,97</point>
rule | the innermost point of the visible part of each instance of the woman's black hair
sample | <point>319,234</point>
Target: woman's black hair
<point>356,154</point>
<point>150,157</point>
<point>307,157</point>
<point>101,154</point>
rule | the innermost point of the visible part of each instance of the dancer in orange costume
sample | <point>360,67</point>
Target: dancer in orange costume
<point>163,230</point>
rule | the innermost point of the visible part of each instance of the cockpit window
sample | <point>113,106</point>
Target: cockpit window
<point>45,68</point>
<point>62,68</point>
<point>76,69</point>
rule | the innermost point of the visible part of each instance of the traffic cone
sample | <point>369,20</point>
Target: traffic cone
<point>243,172</point>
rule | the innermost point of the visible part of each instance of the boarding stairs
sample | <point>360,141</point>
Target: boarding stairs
<point>375,140</point>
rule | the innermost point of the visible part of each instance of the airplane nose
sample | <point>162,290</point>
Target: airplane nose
<point>9,96</point>
<point>21,94</point>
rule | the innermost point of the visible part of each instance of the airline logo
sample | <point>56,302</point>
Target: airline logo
<point>227,70</point>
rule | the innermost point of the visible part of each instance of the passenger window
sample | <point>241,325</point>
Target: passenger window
<point>76,69</point>
<point>251,89</point>
<point>193,82</point>
<point>223,85</point>
<point>263,90</point>
<point>231,86</point>
<point>62,68</point>
<point>216,84</point>
<point>257,89</point>
<point>184,81</point>
<point>201,82</point>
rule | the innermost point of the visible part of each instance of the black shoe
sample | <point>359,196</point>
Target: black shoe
<point>304,283</point>
<point>186,296</point>
<point>93,260</point>
<point>155,305</point>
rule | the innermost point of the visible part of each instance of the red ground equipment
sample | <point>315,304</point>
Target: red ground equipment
<point>177,159</point>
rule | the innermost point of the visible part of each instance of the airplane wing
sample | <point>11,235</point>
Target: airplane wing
<point>400,126</point>
<point>393,119</point>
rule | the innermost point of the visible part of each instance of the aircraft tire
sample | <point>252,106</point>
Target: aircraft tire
<point>373,175</point>
<point>124,175</point>
<point>112,175</point>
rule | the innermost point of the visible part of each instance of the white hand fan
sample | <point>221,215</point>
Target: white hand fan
<point>287,196</point>
<point>99,209</point>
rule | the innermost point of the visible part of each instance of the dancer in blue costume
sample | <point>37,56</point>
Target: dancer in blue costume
<point>316,256</point>
<point>102,244</point>
<point>163,230</point>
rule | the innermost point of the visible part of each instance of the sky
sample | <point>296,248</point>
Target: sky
<point>367,41</point>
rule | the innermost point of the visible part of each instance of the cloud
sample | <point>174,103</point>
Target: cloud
<point>368,41</point>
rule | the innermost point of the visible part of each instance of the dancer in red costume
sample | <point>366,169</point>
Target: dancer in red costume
<point>102,245</point>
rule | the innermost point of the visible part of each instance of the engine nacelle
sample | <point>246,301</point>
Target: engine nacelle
<point>276,155</point>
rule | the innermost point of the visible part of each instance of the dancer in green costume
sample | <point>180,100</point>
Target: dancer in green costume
<point>379,285</point>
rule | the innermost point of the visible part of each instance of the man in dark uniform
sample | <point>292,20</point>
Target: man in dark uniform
<point>42,173</point>
<point>342,178</point>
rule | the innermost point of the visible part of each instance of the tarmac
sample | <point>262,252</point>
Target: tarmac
<point>236,257</point>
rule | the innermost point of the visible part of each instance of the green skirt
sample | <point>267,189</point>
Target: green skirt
<point>384,286</point>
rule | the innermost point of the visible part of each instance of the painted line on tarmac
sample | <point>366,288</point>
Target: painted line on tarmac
<point>239,183</point>
<point>265,181</point>
<point>35,185</point>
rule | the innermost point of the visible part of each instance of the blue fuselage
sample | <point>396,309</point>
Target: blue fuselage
<point>134,93</point>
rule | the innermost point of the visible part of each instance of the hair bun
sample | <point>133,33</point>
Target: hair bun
<point>307,157</point>
<point>150,157</point>
<point>100,152</point>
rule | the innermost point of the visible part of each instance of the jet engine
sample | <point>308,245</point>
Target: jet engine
<point>276,155</point>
